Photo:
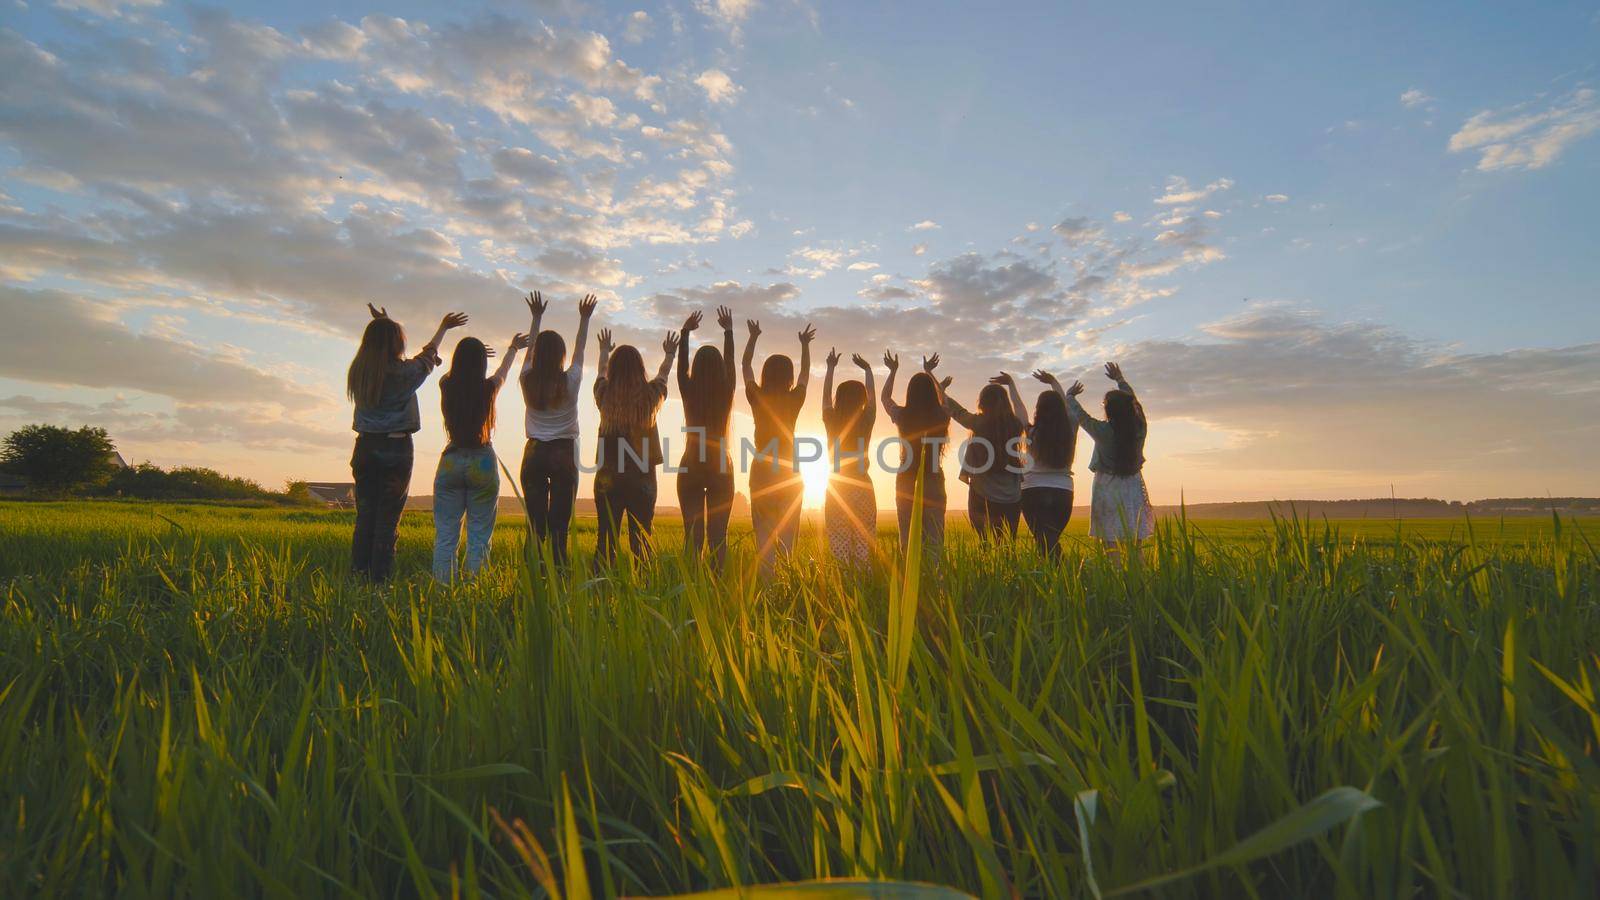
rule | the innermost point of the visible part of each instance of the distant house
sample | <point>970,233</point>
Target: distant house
<point>116,460</point>
<point>335,494</point>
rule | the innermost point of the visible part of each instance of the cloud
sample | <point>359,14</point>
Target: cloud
<point>637,27</point>
<point>1299,393</point>
<point>1528,135</point>
<point>1178,191</point>
<point>1276,198</point>
<point>1413,98</point>
<point>861,266</point>
<point>718,86</point>
<point>1078,230</point>
<point>1120,216</point>
<point>54,337</point>
<point>924,225</point>
<point>919,249</point>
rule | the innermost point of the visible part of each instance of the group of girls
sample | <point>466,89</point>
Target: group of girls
<point>1017,467</point>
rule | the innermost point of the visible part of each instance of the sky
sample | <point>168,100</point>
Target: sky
<point>1341,250</point>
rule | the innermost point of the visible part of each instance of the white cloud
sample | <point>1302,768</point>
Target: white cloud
<point>919,249</point>
<point>718,86</point>
<point>1178,191</point>
<point>637,27</point>
<point>924,225</point>
<point>861,266</point>
<point>1414,98</point>
<point>109,8</point>
<point>1120,216</point>
<point>1528,135</point>
<point>1078,230</point>
<point>1276,198</point>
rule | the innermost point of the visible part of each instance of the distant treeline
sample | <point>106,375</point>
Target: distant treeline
<point>1397,508</point>
<point>147,481</point>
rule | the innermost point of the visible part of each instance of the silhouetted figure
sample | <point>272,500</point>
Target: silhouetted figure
<point>850,510</point>
<point>776,488</point>
<point>924,428</point>
<point>989,462</point>
<point>1047,450</point>
<point>629,446</point>
<point>1119,511</point>
<point>705,479</point>
<point>549,473</point>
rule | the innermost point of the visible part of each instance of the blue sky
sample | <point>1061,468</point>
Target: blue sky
<point>1337,248</point>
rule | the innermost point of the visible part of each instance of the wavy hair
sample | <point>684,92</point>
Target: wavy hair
<point>466,395</point>
<point>1128,427</point>
<point>627,407</point>
<point>1052,439</point>
<point>707,391</point>
<point>544,381</point>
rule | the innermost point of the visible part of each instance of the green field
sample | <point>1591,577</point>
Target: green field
<point>195,700</point>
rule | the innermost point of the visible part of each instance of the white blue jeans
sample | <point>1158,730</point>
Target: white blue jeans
<point>467,484</point>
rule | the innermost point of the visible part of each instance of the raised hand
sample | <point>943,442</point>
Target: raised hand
<point>489,351</point>
<point>521,342</point>
<point>536,303</point>
<point>1003,378</point>
<point>891,361</point>
<point>755,328</point>
<point>1044,376</point>
<point>725,318</point>
<point>945,384</point>
<point>833,357</point>
<point>671,343</point>
<point>861,361</point>
<point>1113,371</point>
<point>692,322</point>
<point>1076,389</point>
<point>605,340</point>
<point>586,305</point>
<point>809,334</point>
<point>378,312</point>
<point>452,320</point>
<point>929,363</point>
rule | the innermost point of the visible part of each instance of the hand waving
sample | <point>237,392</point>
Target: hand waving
<point>1003,378</point>
<point>1113,371</point>
<point>378,312</point>
<point>1046,377</point>
<point>692,322</point>
<point>725,318</point>
<point>587,304</point>
<point>891,361</point>
<point>808,335</point>
<point>671,343</point>
<point>452,320</point>
<point>929,363</point>
<point>755,328</point>
<point>536,303</point>
<point>1076,389</point>
<point>861,361</point>
<point>521,342</point>
<point>605,341</point>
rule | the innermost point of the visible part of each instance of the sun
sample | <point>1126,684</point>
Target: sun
<point>815,472</point>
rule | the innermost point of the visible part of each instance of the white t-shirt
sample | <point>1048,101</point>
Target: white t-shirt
<point>558,422</point>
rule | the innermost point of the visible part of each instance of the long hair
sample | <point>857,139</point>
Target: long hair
<point>627,407</point>
<point>382,345</point>
<point>1126,416</point>
<point>847,420</point>
<point>998,425</point>
<point>544,382</point>
<point>707,391</point>
<point>467,396</point>
<point>777,374</point>
<point>923,417</point>
<point>1052,439</point>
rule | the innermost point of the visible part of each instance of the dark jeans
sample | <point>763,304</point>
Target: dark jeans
<point>705,494</point>
<point>549,487</point>
<point>1048,510</point>
<point>988,517</point>
<point>623,498</point>
<point>382,469</point>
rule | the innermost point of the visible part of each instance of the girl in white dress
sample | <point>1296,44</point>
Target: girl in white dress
<point>1120,511</point>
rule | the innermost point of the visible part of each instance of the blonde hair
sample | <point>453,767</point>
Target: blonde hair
<point>382,345</point>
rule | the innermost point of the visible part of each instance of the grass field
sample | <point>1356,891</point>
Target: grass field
<point>195,700</point>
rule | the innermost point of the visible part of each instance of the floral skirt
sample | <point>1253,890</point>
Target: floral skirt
<point>851,516</point>
<point>1120,509</point>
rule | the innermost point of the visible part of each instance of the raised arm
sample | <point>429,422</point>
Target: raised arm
<point>517,343</point>
<point>1016,396</point>
<point>689,325</point>
<point>803,377</point>
<point>748,364</point>
<point>725,322</point>
<point>827,381</point>
<point>585,312</point>
<point>1114,372</point>
<point>670,345</point>
<point>892,363</point>
<point>430,350</point>
<point>536,306</point>
<point>871,413</point>
<point>605,351</point>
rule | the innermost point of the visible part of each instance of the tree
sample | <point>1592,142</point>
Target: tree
<point>55,459</point>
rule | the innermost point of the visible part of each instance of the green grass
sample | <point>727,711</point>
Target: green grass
<point>195,700</point>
